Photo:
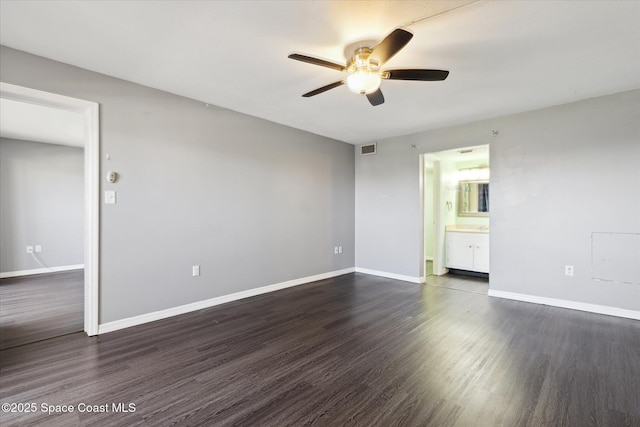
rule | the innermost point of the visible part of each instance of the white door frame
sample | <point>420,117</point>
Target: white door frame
<point>90,112</point>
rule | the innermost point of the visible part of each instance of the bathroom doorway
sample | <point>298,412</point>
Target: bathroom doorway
<point>442,173</point>
<point>429,215</point>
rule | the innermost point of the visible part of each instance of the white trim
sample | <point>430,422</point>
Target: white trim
<point>41,271</point>
<point>90,111</point>
<point>92,218</point>
<point>573,305</point>
<point>390,275</point>
<point>183,309</point>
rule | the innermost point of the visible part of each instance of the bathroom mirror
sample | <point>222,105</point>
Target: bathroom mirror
<point>474,198</point>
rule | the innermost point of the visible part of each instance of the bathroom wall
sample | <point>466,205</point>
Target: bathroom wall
<point>429,217</point>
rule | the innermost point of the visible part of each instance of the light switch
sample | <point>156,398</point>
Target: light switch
<point>110,197</point>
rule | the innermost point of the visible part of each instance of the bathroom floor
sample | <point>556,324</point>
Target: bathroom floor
<point>476,285</point>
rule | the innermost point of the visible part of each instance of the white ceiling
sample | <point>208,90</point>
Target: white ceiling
<point>31,122</point>
<point>503,56</point>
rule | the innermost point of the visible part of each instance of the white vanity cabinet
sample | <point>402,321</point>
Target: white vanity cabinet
<point>467,251</point>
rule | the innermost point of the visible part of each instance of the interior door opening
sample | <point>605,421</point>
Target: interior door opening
<point>31,100</point>
<point>446,220</point>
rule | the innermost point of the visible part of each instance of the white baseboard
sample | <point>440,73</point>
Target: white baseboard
<point>390,275</point>
<point>199,305</point>
<point>41,271</point>
<point>574,305</point>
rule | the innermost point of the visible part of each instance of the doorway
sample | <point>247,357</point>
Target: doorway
<point>430,166</point>
<point>89,118</point>
<point>441,174</point>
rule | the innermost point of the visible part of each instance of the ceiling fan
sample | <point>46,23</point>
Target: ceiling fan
<point>364,74</point>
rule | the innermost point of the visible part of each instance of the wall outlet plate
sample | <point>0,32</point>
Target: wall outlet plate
<point>568,270</point>
<point>110,197</point>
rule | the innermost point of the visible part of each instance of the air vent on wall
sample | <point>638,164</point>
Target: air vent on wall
<point>368,149</point>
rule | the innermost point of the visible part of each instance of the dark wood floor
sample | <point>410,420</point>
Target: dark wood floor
<point>37,307</point>
<point>455,279</point>
<point>357,350</point>
<point>460,282</point>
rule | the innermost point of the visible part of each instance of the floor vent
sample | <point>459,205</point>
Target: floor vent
<point>368,149</point>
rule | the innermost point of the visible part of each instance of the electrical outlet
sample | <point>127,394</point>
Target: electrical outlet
<point>568,270</point>
<point>38,248</point>
<point>335,249</point>
<point>195,270</point>
<point>339,249</point>
<point>29,249</point>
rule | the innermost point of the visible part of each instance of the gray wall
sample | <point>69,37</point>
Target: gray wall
<point>252,202</point>
<point>41,203</point>
<point>557,175</point>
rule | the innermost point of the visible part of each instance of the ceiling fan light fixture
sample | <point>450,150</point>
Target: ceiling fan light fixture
<point>363,82</point>
<point>364,74</point>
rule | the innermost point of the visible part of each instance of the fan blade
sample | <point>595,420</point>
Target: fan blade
<point>422,75</point>
<point>376,98</point>
<point>323,89</point>
<point>317,61</point>
<point>391,45</point>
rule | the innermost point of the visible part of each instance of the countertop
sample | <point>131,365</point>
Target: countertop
<point>467,228</point>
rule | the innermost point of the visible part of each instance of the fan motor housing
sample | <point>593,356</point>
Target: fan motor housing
<point>361,60</point>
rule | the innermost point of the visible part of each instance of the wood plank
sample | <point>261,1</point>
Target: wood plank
<point>42,306</point>
<point>355,349</point>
